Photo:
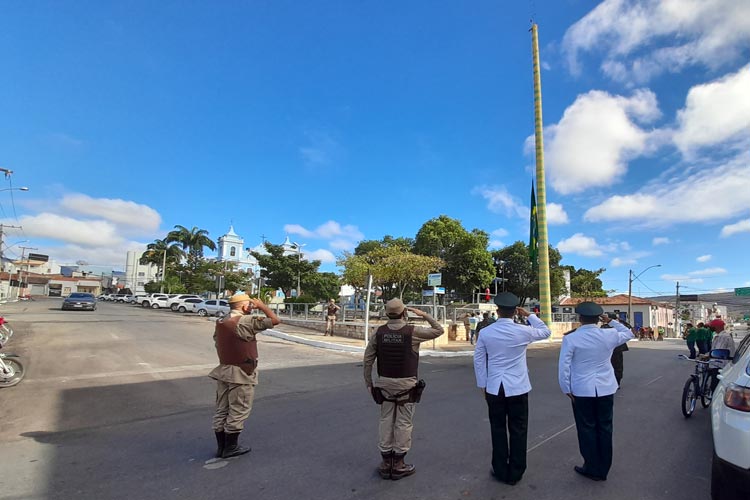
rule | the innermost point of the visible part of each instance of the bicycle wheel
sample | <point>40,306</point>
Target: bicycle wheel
<point>689,396</point>
<point>706,392</point>
<point>15,372</point>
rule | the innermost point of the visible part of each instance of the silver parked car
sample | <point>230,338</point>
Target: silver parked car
<point>79,300</point>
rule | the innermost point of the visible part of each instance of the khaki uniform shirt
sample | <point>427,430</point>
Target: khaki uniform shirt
<point>247,328</point>
<point>421,334</point>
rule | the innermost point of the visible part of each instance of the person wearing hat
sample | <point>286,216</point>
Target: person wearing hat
<point>236,376</point>
<point>618,363</point>
<point>331,310</point>
<point>502,374</point>
<point>395,346</point>
<point>586,376</point>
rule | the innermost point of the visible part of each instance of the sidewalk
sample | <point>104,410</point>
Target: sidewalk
<point>305,336</point>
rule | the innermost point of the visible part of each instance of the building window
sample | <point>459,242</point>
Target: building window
<point>232,252</point>
<point>140,283</point>
<point>141,274</point>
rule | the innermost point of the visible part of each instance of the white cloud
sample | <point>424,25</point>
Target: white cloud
<point>556,214</point>
<point>672,200</point>
<point>704,258</point>
<point>499,200</point>
<point>326,231</point>
<point>581,245</point>
<point>742,226</point>
<point>499,232</point>
<point>343,244</point>
<point>128,213</point>
<point>496,244</point>
<point>642,39</point>
<point>660,240</point>
<point>711,271</point>
<point>104,256</point>
<point>617,261</point>
<point>715,112</point>
<point>596,136</point>
<point>87,233</point>
<point>323,255</point>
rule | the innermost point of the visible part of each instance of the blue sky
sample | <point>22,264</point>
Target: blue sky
<point>336,121</point>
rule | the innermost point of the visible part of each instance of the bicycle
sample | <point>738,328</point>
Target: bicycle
<point>697,386</point>
<point>12,370</point>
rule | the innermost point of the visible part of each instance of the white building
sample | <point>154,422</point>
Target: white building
<point>232,249</point>
<point>137,274</point>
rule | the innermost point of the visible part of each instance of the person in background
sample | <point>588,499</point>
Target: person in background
<point>473,322</point>
<point>331,310</point>
<point>690,336</point>
<point>701,338</point>
<point>723,340</point>
<point>618,363</point>
<point>485,321</point>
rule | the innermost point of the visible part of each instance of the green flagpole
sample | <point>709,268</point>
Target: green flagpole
<point>533,230</point>
<point>545,301</point>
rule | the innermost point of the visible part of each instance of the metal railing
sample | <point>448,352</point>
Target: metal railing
<point>348,312</point>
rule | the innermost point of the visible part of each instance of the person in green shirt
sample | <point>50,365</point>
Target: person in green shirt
<point>690,337</point>
<point>703,337</point>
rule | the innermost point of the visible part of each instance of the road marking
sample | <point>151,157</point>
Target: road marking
<point>657,378</point>
<point>553,436</point>
<point>215,463</point>
<point>114,336</point>
<point>122,373</point>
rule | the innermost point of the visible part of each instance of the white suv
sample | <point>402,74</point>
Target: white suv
<point>155,300</point>
<point>730,422</point>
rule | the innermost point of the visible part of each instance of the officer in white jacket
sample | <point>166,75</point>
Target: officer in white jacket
<point>502,374</point>
<point>586,376</point>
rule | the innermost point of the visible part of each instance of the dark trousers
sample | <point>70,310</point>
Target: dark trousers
<point>594,425</point>
<point>509,421</point>
<point>703,345</point>
<point>691,348</point>
<point>617,365</point>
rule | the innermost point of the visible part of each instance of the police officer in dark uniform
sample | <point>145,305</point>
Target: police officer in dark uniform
<point>395,346</point>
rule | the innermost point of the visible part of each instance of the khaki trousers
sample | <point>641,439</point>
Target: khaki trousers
<point>330,323</point>
<point>395,425</point>
<point>233,405</point>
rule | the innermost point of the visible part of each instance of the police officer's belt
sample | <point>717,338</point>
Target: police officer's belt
<point>415,395</point>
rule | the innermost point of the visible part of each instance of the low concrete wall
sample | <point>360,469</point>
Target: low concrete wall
<point>356,330</point>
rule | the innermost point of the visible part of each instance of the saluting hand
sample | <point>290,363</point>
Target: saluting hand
<point>522,312</point>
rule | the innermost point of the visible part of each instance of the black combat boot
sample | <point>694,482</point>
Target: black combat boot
<point>221,439</point>
<point>231,448</point>
<point>384,469</point>
<point>401,469</point>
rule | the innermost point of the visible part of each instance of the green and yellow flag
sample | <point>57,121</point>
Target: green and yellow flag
<point>533,229</point>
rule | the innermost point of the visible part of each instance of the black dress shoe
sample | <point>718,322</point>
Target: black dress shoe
<point>582,472</point>
<point>501,479</point>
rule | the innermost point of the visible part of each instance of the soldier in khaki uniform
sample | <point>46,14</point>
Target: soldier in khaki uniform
<point>236,375</point>
<point>331,310</point>
<point>395,345</point>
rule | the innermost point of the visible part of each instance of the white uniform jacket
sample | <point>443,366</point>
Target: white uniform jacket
<point>585,368</point>
<point>500,355</point>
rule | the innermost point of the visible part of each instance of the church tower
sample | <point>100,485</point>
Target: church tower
<point>231,247</point>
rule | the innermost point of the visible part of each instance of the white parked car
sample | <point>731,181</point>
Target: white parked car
<point>187,305</point>
<point>204,307</point>
<point>122,298</point>
<point>174,301</point>
<point>730,422</point>
<point>155,300</point>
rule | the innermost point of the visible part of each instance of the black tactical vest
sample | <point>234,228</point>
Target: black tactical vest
<point>396,358</point>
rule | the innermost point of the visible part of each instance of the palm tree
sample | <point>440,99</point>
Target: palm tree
<point>192,240</point>
<point>160,253</point>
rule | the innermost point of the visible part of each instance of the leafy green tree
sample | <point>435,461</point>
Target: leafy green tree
<point>321,286</point>
<point>586,283</point>
<point>154,254</point>
<point>192,240</point>
<point>468,264</point>
<point>281,271</point>
<point>521,278</point>
<point>367,246</point>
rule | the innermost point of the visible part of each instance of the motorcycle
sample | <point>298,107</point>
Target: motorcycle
<point>11,368</point>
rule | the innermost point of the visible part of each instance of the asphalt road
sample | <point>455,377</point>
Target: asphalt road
<point>116,404</point>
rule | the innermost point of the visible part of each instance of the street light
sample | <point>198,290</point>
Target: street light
<point>24,188</point>
<point>630,286</point>
<point>298,249</point>
<point>501,264</point>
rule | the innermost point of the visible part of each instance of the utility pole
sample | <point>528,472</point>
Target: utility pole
<point>28,266</point>
<point>678,315</point>
<point>2,262</point>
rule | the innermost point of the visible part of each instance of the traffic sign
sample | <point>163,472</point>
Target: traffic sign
<point>742,292</point>
<point>435,279</point>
